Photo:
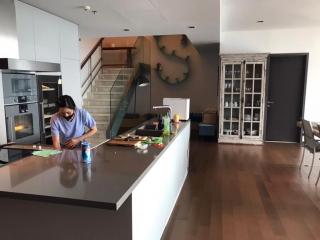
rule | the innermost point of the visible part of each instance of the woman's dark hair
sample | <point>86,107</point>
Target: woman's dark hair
<point>66,101</point>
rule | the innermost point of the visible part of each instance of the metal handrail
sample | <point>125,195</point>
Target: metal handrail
<point>99,43</point>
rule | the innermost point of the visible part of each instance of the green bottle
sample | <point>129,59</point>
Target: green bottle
<point>166,125</point>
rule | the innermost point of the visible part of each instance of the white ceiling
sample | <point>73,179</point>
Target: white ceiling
<point>243,14</point>
<point>142,17</point>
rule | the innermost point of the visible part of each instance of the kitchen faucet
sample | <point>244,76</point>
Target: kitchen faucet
<point>169,123</point>
<point>163,107</point>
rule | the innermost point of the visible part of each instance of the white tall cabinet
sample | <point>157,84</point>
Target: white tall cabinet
<point>242,98</point>
<point>48,38</point>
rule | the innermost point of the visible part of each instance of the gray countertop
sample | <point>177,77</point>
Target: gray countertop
<point>106,183</point>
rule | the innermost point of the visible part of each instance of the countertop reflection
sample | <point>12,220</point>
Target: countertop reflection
<point>64,178</point>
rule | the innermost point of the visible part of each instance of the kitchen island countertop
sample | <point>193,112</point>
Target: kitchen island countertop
<point>105,183</point>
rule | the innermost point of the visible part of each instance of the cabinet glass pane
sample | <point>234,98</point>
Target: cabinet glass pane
<point>248,100</point>
<point>248,86</point>
<point>227,114</point>
<point>226,128</point>
<point>235,114</point>
<point>236,101</point>
<point>256,114</point>
<point>227,100</point>
<point>228,86</point>
<point>247,129</point>
<point>255,129</point>
<point>235,128</point>
<point>247,115</point>
<point>258,70</point>
<point>228,71</point>
<point>257,100</point>
<point>249,70</point>
<point>257,86</point>
<point>237,71</point>
<point>236,86</point>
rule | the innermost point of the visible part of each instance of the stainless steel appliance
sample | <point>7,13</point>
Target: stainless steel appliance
<point>22,95</point>
<point>21,107</point>
<point>19,88</point>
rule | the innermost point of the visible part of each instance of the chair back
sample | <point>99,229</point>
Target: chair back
<point>308,134</point>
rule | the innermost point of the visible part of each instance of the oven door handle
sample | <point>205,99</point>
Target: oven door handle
<point>5,145</point>
<point>22,103</point>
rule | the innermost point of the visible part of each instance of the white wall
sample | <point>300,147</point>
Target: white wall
<point>48,38</point>
<point>283,41</point>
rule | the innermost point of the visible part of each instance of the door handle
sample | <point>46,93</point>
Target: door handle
<point>270,102</point>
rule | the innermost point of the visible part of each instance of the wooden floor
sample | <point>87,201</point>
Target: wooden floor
<point>246,192</point>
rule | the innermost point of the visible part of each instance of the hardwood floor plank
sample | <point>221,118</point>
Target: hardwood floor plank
<point>243,192</point>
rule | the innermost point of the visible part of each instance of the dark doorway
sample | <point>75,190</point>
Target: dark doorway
<point>285,96</point>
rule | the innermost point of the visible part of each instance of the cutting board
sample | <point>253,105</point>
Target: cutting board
<point>130,143</point>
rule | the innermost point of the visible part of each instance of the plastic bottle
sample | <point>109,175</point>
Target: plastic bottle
<point>166,125</point>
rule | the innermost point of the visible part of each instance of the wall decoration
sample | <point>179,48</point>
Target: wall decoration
<point>173,55</point>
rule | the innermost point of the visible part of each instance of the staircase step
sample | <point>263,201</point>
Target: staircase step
<point>108,88</point>
<point>108,83</point>
<point>101,117</point>
<point>116,70</point>
<point>107,76</point>
<point>104,96</point>
<point>94,110</point>
<point>98,90</point>
<point>100,102</point>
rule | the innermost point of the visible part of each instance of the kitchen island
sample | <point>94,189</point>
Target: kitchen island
<point>125,193</point>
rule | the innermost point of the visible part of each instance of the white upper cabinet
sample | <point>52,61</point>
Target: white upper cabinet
<point>47,37</point>
<point>25,30</point>
<point>69,40</point>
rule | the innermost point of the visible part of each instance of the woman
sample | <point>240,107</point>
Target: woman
<point>68,124</point>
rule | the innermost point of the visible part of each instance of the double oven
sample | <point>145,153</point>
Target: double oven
<point>21,102</point>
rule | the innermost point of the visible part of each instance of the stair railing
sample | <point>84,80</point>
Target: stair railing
<point>122,106</point>
<point>91,66</point>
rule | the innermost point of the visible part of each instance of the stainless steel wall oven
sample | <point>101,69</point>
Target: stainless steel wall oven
<point>21,103</point>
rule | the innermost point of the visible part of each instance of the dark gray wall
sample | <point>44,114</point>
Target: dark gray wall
<point>202,85</point>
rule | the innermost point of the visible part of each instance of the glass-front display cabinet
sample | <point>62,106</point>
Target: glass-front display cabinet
<point>242,94</point>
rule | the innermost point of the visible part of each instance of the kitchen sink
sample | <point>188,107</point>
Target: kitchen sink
<point>149,130</point>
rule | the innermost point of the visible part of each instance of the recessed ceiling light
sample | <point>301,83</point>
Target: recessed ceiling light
<point>260,21</point>
<point>126,29</point>
<point>87,8</point>
<point>191,27</point>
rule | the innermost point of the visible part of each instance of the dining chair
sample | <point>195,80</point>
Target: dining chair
<point>310,143</point>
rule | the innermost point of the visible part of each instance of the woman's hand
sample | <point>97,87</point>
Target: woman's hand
<point>72,143</point>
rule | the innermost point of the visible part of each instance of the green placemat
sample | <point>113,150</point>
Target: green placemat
<point>45,153</point>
